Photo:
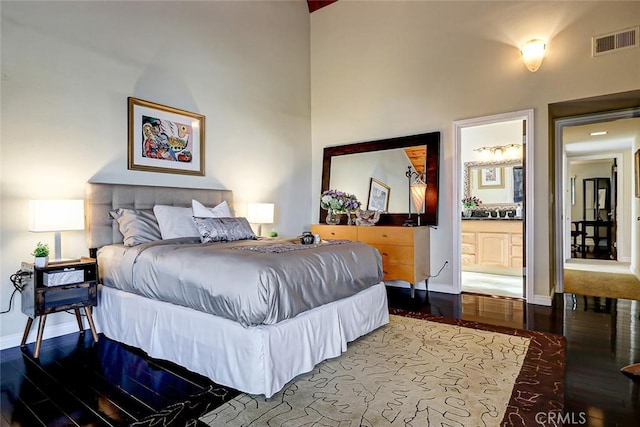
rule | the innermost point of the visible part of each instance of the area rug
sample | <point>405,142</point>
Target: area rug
<point>417,372</point>
<point>607,285</point>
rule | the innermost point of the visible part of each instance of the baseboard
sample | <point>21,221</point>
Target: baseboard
<point>546,300</point>
<point>50,331</point>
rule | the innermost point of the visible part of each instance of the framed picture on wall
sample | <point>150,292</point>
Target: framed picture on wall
<point>491,177</point>
<point>165,139</point>
<point>636,171</point>
<point>378,196</point>
<point>517,184</point>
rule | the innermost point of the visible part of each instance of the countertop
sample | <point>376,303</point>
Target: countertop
<point>478,218</point>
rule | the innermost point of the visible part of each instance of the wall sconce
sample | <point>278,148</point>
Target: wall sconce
<point>56,216</point>
<point>533,54</point>
<point>417,191</point>
<point>260,213</point>
<point>500,152</point>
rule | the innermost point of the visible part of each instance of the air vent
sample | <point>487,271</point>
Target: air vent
<point>613,42</point>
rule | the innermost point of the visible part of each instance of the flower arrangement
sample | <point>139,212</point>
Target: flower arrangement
<point>471,202</point>
<point>339,201</point>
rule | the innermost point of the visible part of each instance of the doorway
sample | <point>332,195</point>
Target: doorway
<point>618,214</point>
<point>493,239</point>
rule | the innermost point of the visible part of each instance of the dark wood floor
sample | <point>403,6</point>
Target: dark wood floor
<point>78,382</point>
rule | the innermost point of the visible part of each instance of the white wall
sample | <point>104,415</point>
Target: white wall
<point>68,68</point>
<point>394,68</point>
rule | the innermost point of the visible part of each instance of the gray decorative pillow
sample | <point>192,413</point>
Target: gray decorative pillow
<point>137,225</point>
<point>224,229</point>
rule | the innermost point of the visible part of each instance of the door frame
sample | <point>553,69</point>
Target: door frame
<point>618,157</point>
<point>528,163</point>
<point>559,124</point>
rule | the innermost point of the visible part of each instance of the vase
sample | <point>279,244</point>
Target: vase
<point>350,219</point>
<point>467,212</point>
<point>41,261</point>
<point>333,218</point>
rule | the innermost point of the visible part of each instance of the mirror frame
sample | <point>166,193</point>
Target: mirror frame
<point>431,140</point>
<point>471,165</point>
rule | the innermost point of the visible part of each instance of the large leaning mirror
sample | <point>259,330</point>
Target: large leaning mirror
<point>494,183</point>
<point>366,167</point>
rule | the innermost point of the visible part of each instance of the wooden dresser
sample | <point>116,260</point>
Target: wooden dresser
<point>404,250</point>
<point>492,246</point>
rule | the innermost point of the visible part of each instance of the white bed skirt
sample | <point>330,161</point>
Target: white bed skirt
<point>255,360</point>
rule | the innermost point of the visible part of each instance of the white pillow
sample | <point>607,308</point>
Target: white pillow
<point>220,211</point>
<point>175,221</point>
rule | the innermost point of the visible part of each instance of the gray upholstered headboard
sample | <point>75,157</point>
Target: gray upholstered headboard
<point>101,198</point>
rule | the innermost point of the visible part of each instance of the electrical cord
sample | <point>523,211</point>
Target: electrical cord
<point>439,271</point>
<point>16,280</point>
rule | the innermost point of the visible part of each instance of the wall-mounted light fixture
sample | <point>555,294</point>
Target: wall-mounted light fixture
<point>500,152</point>
<point>533,54</point>
<point>260,213</point>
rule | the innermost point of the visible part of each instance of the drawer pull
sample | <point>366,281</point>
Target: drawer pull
<point>384,235</point>
<point>385,254</point>
<point>333,233</point>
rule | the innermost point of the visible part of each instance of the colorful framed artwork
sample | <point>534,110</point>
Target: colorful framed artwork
<point>378,196</point>
<point>165,139</point>
<point>636,171</point>
<point>492,177</point>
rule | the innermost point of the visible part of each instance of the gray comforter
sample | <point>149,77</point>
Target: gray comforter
<point>251,282</point>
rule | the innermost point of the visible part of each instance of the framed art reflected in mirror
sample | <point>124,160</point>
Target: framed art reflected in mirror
<point>378,199</point>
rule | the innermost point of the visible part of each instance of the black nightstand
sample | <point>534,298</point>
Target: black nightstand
<point>60,286</point>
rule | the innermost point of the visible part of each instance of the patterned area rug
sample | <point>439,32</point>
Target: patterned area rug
<point>413,372</point>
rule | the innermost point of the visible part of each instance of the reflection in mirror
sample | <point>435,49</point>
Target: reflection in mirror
<point>353,173</point>
<point>494,183</point>
<point>353,167</point>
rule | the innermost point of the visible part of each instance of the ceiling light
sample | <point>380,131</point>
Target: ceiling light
<point>602,132</point>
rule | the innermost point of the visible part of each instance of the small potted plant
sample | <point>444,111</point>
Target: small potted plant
<point>41,254</point>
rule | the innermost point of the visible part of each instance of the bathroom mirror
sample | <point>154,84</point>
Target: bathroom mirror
<point>496,184</point>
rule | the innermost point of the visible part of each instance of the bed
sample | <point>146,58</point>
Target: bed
<point>265,330</point>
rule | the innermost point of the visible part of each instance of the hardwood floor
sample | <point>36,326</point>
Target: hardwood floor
<point>78,382</point>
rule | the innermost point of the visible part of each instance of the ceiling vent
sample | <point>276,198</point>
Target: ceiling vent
<point>613,42</point>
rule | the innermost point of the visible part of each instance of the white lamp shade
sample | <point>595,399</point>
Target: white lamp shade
<point>418,190</point>
<point>56,215</point>
<point>260,213</point>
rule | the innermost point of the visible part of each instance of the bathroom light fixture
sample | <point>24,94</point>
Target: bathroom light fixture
<point>500,152</point>
<point>533,54</point>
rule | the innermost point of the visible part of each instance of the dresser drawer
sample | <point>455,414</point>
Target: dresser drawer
<point>516,262</point>
<point>395,254</point>
<point>335,232</point>
<point>468,248</point>
<point>386,235</point>
<point>516,239</point>
<point>468,259</point>
<point>398,272</point>
<point>468,237</point>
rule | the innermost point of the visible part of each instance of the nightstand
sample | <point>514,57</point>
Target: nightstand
<point>65,285</point>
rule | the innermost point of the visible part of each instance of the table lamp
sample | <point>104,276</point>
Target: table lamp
<point>417,191</point>
<point>56,216</point>
<point>260,213</point>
